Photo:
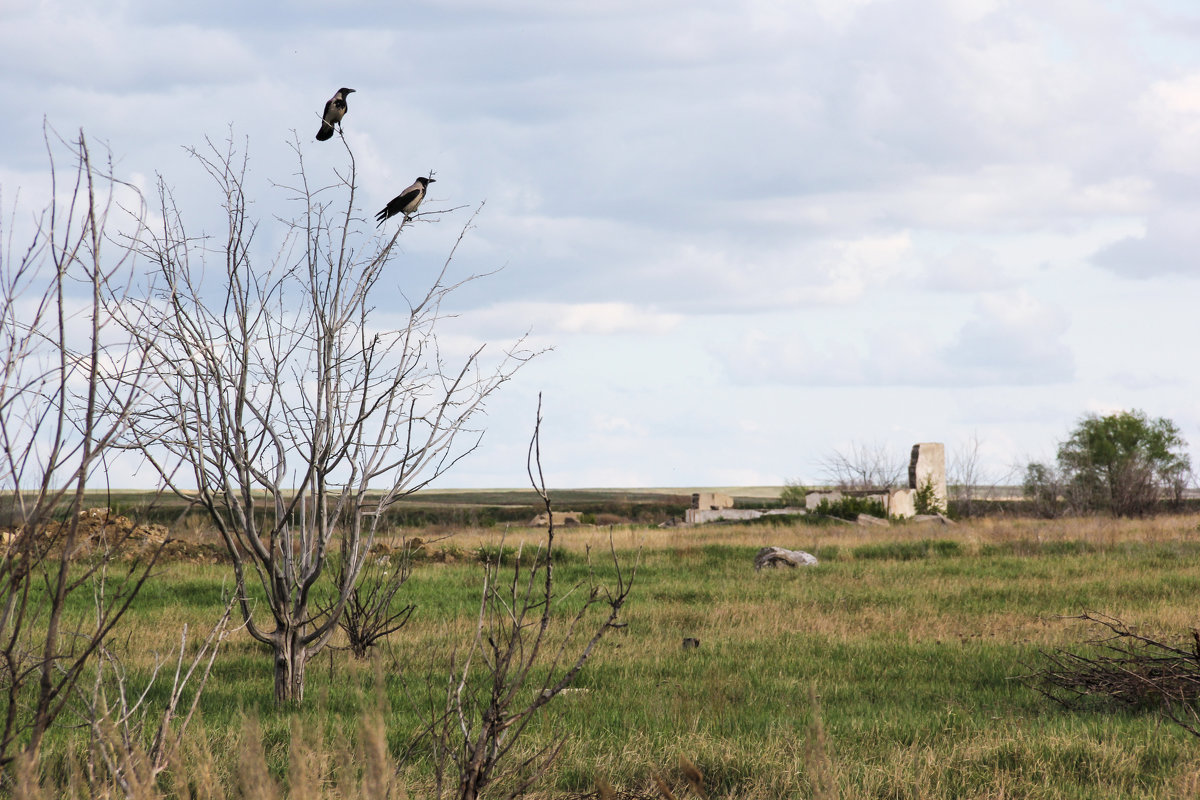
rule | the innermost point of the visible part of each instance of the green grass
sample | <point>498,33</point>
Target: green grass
<point>912,645</point>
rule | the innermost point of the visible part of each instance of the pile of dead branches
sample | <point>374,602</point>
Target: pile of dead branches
<point>1126,669</point>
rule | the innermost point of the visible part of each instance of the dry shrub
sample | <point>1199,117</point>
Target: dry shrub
<point>1129,669</point>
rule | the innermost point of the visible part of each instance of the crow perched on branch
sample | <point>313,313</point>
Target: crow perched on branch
<point>406,202</point>
<point>335,109</point>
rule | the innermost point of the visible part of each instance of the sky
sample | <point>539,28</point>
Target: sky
<point>748,235</point>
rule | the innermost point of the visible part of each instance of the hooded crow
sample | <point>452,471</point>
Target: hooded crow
<point>407,201</point>
<point>335,109</point>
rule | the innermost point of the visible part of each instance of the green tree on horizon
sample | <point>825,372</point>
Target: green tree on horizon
<point>1123,463</point>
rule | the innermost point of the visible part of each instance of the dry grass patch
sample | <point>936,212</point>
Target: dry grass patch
<point>912,650</point>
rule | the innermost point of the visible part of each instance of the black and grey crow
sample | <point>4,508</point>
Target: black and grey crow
<point>335,109</point>
<point>407,201</point>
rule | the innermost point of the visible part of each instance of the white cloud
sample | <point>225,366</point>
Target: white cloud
<point>967,268</point>
<point>1009,339</point>
<point>1014,340</point>
<point>1131,377</point>
<point>846,195</point>
<point>1171,244</point>
<point>56,48</point>
<point>609,424</point>
<point>552,320</point>
<point>1170,109</point>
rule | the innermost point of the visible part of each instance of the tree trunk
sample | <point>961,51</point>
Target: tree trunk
<point>290,658</point>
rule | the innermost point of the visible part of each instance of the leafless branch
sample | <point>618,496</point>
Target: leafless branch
<point>373,611</point>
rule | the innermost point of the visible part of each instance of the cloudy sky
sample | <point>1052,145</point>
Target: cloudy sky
<point>754,232</point>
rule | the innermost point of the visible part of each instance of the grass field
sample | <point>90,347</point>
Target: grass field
<point>890,668</point>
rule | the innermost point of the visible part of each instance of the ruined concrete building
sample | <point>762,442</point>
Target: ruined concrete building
<point>926,465</point>
<point>562,519</point>
<point>711,501</point>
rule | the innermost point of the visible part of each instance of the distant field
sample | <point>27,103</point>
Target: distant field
<point>452,508</point>
<point>492,506</point>
<point>458,509</point>
<point>910,638</point>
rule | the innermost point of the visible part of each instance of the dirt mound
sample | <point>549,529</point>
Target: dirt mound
<point>100,528</point>
<point>100,525</point>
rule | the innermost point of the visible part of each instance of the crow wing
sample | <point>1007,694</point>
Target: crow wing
<point>335,109</point>
<point>398,204</point>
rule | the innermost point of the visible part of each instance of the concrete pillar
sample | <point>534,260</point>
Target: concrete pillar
<point>928,463</point>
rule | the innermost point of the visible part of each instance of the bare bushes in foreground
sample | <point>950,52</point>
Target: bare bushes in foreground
<point>121,718</point>
<point>61,415</point>
<point>527,650</point>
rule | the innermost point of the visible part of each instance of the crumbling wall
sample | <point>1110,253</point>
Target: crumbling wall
<point>901,503</point>
<point>562,519</point>
<point>813,499</point>
<point>696,516</point>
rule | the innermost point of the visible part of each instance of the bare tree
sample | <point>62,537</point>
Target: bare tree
<point>488,700</point>
<point>864,467</point>
<point>60,417</point>
<point>288,413</point>
<point>966,476</point>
